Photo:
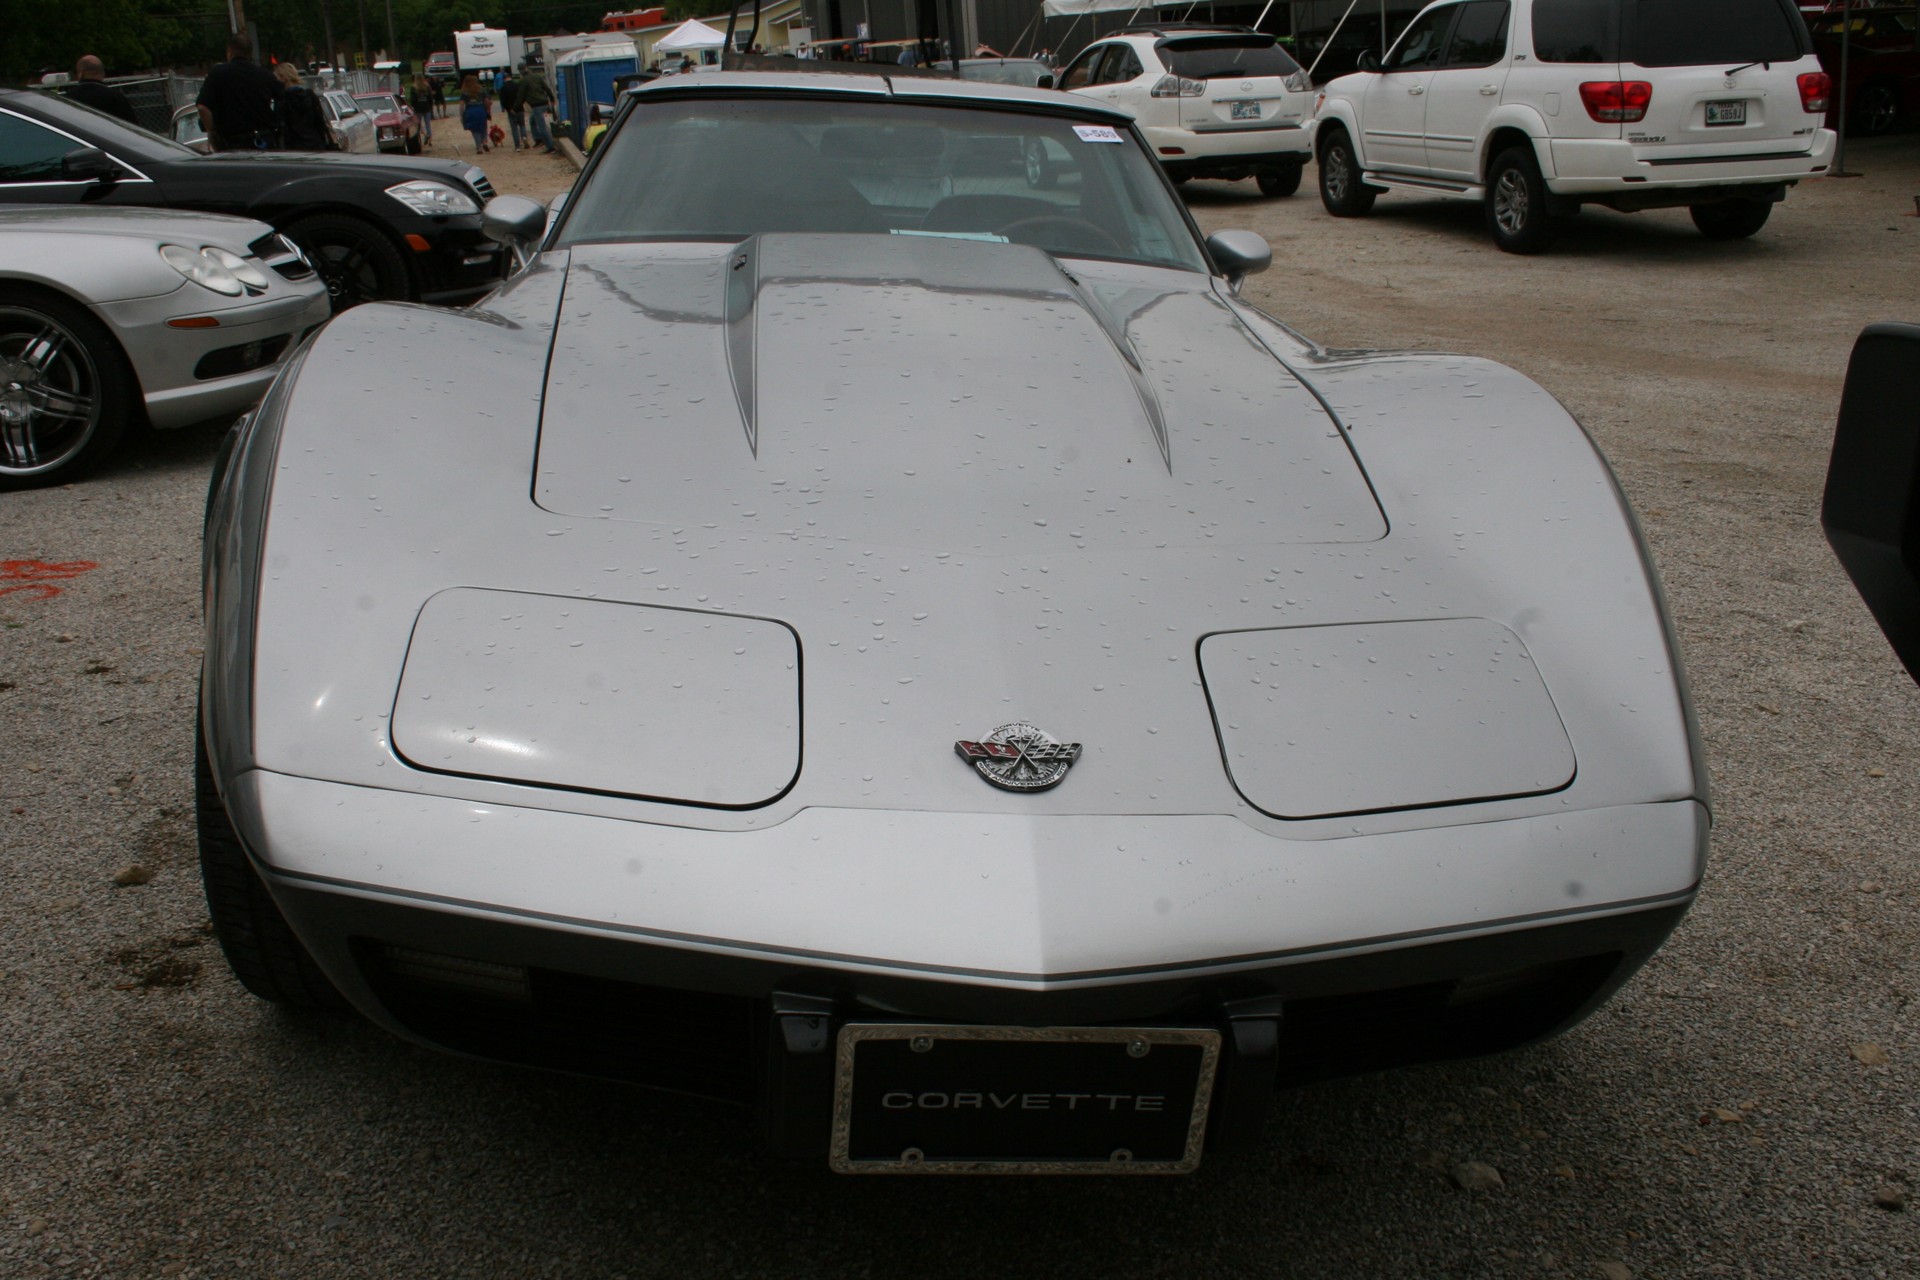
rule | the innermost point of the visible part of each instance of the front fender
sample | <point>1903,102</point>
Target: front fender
<point>1338,112</point>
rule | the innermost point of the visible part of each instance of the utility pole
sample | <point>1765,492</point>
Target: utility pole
<point>333,53</point>
<point>393,41</point>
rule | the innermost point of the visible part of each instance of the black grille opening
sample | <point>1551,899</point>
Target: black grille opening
<point>244,358</point>
<point>1326,1036</point>
<point>685,1041</point>
<point>279,253</point>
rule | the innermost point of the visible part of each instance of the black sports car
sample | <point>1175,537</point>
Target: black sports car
<point>394,227</point>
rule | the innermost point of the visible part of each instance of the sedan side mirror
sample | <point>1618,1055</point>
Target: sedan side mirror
<point>89,164</point>
<point>514,221</point>
<point>1239,254</point>
<point>1871,511</point>
<point>1369,61</point>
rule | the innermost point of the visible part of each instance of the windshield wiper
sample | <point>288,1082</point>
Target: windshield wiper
<point>1764,62</point>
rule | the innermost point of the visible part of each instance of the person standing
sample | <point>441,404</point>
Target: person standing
<point>236,101</point>
<point>475,118</point>
<point>422,98</point>
<point>513,102</point>
<point>92,90</point>
<point>303,121</point>
<point>537,94</point>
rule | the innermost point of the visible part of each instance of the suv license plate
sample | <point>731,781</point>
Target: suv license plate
<point>1243,111</point>
<point>951,1099</point>
<point>1719,113</point>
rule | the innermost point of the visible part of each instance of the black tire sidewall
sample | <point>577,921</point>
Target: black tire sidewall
<point>389,264</point>
<point>1359,198</point>
<point>1281,180</point>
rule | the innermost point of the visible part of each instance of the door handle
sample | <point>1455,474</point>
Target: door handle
<point>1417,90</point>
<point>1489,89</point>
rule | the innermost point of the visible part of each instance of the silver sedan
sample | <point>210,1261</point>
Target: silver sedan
<point>114,317</point>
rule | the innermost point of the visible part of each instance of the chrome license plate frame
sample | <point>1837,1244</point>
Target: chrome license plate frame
<point>870,1137</point>
<point>1725,113</point>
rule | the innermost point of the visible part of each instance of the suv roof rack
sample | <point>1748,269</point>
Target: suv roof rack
<point>1148,28</point>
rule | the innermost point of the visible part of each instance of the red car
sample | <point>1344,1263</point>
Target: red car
<point>1883,62</point>
<point>396,127</point>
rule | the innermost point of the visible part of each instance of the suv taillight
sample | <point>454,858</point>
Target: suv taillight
<point>1178,87</point>
<point>1616,101</point>
<point>1814,88</point>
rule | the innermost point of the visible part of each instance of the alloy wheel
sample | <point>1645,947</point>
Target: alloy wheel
<point>1510,203</point>
<point>49,393</point>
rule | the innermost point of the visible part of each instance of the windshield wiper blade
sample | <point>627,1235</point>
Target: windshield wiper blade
<point>1763,62</point>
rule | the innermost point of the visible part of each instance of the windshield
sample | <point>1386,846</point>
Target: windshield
<point>1224,57</point>
<point>111,133</point>
<point>377,102</point>
<point>708,168</point>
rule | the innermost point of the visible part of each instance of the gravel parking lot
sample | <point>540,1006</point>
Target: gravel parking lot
<point>1745,1107</point>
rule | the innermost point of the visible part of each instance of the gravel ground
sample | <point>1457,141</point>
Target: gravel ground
<point>1735,1111</point>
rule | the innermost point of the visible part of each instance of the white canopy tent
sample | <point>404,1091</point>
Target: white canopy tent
<point>689,36</point>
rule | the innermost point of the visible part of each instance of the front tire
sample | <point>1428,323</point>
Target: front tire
<point>1731,219</point>
<point>66,393</point>
<point>261,949</point>
<point>1281,180</point>
<point>1518,215</point>
<point>1341,190</point>
<point>356,260</point>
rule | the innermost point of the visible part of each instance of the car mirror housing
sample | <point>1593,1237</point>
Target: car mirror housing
<point>515,221</point>
<point>1046,82</point>
<point>1239,254</point>
<point>1369,61</point>
<point>89,164</point>
<point>1871,510</point>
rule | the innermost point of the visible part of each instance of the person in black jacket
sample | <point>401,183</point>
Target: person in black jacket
<point>92,90</point>
<point>303,121</point>
<point>425,101</point>
<point>236,101</point>
<point>512,101</point>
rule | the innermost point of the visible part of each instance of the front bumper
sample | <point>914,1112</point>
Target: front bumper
<point>1603,166</point>
<point>182,372</point>
<point>458,264</point>
<point>658,954</point>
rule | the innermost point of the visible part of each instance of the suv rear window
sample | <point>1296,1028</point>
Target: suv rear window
<point>1223,57</point>
<point>1662,33</point>
<point>1703,32</point>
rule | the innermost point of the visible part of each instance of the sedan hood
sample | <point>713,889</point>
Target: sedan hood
<point>811,386</point>
<point>140,224</point>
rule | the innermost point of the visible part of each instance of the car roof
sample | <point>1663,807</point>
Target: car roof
<point>876,85</point>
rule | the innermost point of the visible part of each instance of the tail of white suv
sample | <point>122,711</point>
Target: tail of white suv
<point>1213,102</point>
<point>1535,107</point>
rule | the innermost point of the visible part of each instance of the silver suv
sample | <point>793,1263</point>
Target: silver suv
<point>1536,107</point>
<point>1213,102</point>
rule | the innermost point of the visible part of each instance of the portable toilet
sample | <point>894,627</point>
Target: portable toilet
<point>583,77</point>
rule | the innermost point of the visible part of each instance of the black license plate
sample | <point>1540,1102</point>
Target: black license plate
<point>948,1099</point>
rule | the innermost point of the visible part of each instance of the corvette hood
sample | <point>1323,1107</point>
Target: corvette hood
<point>930,393</point>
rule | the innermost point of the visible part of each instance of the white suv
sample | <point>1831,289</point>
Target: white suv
<point>1213,102</point>
<point>1539,106</point>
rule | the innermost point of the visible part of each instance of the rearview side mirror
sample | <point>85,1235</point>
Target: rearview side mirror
<point>1871,511</point>
<point>1239,254</point>
<point>1046,82</point>
<point>1369,61</point>
<point>89,164</point>
<point>514,221</point>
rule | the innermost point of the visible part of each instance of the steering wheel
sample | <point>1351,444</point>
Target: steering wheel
<point>1079,233</point>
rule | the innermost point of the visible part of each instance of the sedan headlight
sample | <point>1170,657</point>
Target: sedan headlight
<point>433,198</point>
<point>203,269</point>
<point>245,272</point>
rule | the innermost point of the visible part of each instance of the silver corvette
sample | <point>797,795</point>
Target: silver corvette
<point>115,317</point>
<point>909,649</point>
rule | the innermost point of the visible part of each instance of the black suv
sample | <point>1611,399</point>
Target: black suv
<point>375,226</point>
